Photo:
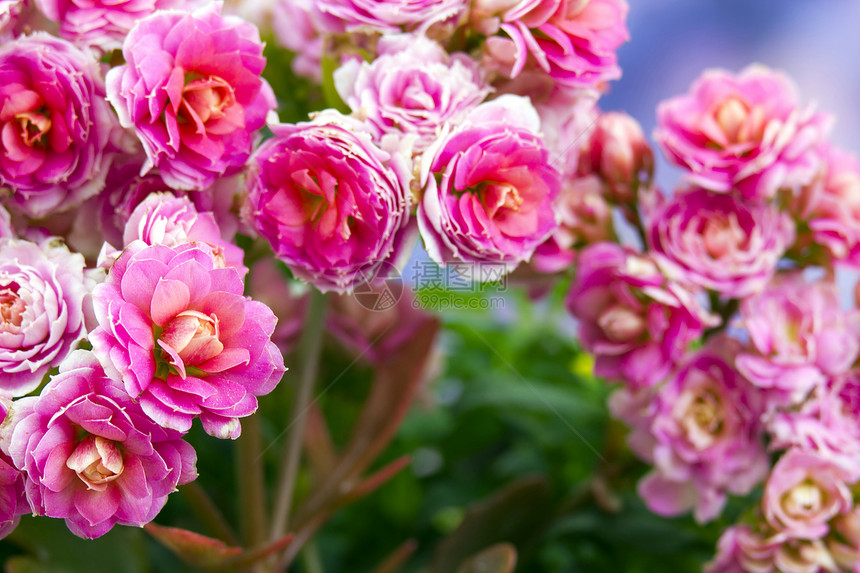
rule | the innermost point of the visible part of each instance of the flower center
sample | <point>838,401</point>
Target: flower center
<point>11,308</point>
<point>738,122</point>
<point>804,499</point>
<point>205,99</point>
<point>32,128</point>
<point>721,235</point>
<point>622,324</point>
<point>96,461</point>
<point>188,340</point>
<point>704,418</point>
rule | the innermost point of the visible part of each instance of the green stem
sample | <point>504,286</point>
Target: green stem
<point>311,560</point>
<point>207,513</point>
<point>309,350</point>
<point>252,485</point>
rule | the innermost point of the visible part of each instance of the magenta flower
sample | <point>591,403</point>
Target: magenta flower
<point>333,205</point>
<point>707,437</point>
<point>804,492</point>
<point>184,340</point>
<point>830,206</point>
<point>489,187</point>
<point>391,15</point>
<point>573,41</point>
<point>90,454</point>
<point>798,334</point>
<point>56,126</point>
<point>42,290</point>
<point>743,132</point>
<point>412,87</point>
<point>165,219</point>
<point>10,14</point>
<point>719,242</point>
<point>742,550</point>
<point>102,24</point>
<point>635,322</point>
<point>192,91</point>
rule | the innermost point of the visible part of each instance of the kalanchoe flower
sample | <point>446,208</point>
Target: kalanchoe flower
<point>719,242</point>
<point>573,41</point>
<point>56,125</point>
<point>619,153</point>
<point>742,550</point>
<point>102,24</point>
<point>299,27</point>
<point>90,454</point>
<point>584,218</point>
<point>843,543</point>
<point>390,15</point>
<point>798,335</point>
<point>636,322</point>
<point>804,492</point>
<point>333,205</point>
<point>183,338</point>
<point>567,122</point>
<point>192,91</point>
<point>42,290</point>
<point>743,133</point>
<point>10,13</point>
<point>830,206</point>
<point>488,187</point>
<point>707,436</point>
<point>13,502</point>
<point>412,87</point>
<point>164,219</point>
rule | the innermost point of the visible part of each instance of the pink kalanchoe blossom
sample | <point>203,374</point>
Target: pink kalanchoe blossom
<point>489,187</point>
<point>90,454</point>
<point>412,87</point>
<point>165,219</point>
<point>830,206</point>
<point>102,24</point>
<point>333,205</point>
<point>718,241</point>
<point>707,436</point>
<point>743,550</point>
<point>389,16</point>
<point>56,125</point>
<point>42,291</point>
<point>183,338</point>
<point>567,122</point>
<point>804,492</point>
<point>828,421</point>
<point>10,14</point>
<point>573,41</point>
<point>299,27</point>
<point>192,91</point>
<point>584,217</point>
<point>743,132</point>
<point>635,322</point>
<point>798,335</point>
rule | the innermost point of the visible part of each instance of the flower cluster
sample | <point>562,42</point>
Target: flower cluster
<point>761,386</point>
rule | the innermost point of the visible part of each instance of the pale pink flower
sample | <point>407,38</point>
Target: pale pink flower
<point>744,133</point>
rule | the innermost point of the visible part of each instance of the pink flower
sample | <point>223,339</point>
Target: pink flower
<point>798,335</point>
<point>55,125</point>
<point>743,132</point>
<point>333,205</point>
<point>300,28</point>
<point>619,153</point>
<point>412,87</point>
<point>164,219</point>
<point>843,543</point>
<point>101,24</point>
<point>567,121</point>
<point>804,492</point>
<point>742,550</point>
<point>488,187</point>
<point>830,206</point>
<point>183,338</point>
<point>42,290</point>
<point>391,15</point>
<point>192,91</point>
<point>574,41</point>
<point>635,322</point>
<point>708,439</point>
<point>90,454</point>
<point>719,242</point>
<point>584,218</point>
<point>10,14</point>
